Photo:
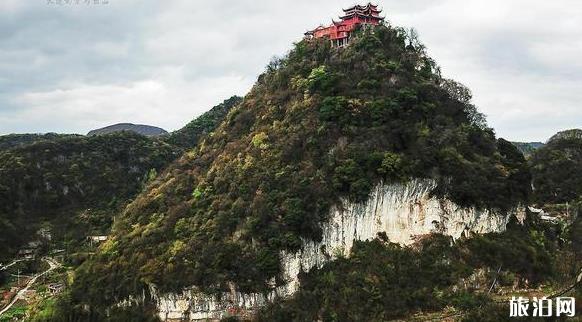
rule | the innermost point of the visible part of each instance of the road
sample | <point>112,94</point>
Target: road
<point>52,265</point>
<point>14,262</point>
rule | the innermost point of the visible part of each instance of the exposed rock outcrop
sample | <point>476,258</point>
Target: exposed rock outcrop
<point>402,211</point>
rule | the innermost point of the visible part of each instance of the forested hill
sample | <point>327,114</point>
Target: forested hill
<point>188,136</point>
<point>557,169</point>
<point>320,124</point>
<point>55,178</point>
<point>572,135</point>
<point>16,140</point>
<point>49,179</point>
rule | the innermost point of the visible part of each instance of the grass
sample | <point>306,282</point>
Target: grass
<point>14,312</point>
<point>44,310</point>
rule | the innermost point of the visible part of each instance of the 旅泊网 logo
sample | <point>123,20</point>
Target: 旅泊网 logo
<point>542,307</point>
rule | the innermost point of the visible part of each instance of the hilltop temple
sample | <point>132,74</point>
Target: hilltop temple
<point>339,32</point>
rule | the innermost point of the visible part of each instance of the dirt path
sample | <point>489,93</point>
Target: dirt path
<point>14,262</point>
<point>52,265</point>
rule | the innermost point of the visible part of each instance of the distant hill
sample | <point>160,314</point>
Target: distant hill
<point>572,134</point>
<point>57,179</point>
<point>146,130</point>
<point>557,168</point>
<point>76,183</point>
<point>16,140</point>
<point>527,148</point>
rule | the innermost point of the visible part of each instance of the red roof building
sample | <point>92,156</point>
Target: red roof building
<point>339,32</point>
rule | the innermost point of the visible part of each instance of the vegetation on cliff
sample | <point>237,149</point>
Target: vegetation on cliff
<point>189,136</point>
<point>381,281</point>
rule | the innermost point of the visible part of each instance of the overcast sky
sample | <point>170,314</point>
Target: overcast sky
<point>84,64</point>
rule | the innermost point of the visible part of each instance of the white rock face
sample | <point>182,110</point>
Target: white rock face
<point>402,211</point>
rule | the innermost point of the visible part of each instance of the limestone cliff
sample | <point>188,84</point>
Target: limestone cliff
<point>402,211</point>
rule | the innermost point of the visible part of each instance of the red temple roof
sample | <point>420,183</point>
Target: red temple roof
<point>358,7</point>
<point>368,9</point>
<point>339,31</point>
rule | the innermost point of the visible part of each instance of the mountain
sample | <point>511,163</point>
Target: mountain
<point>16,140</point>
<point>188,136</point>
<point>57,180</point>
<point>527,148</point>
<point>75,184</point>
<point>572,134</point>
<point>557,169</point>
<point>323,133</point>
<point>146,130</point>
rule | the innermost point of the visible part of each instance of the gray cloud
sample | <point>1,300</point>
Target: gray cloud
<point>72,68</point>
